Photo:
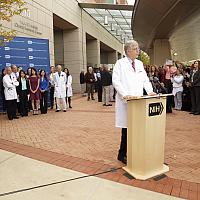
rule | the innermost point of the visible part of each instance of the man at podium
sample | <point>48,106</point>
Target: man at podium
<point>129,79</point>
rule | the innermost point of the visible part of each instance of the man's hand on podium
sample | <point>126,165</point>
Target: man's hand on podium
<point>152,94</point>
<point>129,97</point>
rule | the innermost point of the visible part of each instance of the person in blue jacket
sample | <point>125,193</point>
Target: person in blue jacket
<point>44,87</point>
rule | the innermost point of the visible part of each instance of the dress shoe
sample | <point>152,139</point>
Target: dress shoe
<point>70,107</point>
<point>122,159</point>
<point>57,110</point>
<point>36,112</point>
<point>64,111</point>
<point>196,113</point>
<point>109,105</point>
<point>15,117</point>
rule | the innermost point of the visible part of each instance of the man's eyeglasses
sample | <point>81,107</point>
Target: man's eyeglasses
<point>136,49</point>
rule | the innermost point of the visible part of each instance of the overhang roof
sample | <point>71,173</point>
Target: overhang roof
<point>119,18</point>
<point>157,19</point>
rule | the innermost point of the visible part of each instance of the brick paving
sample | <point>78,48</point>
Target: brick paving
<point>84,139</point>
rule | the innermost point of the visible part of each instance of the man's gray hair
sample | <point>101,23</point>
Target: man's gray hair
<point>7,67</point>
<point>12,66</point>
<point>131,44</point>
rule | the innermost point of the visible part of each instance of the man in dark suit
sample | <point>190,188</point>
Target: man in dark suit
<point>196,84</point>
<point>194,88</point>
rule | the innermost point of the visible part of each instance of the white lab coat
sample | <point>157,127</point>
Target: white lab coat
<point>17,76</point>
<point>60,85</point>
<point>10,87</point>
<point>69,86</point>
<point>177,82</point>
<point>126,81</point>
<point>51,79</point>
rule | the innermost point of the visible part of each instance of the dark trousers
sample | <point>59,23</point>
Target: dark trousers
<point>115,92</point>
<point>29,105</point>
<point>193,99</point>
<point>100,93</point>
<point>23,103</point>
<point>90,90</point>
<point>68,100</point>
<point>52,97</point>
<point>3,103</point>
<point>168,85</point>
<point>123,145</point>
<point>43,102</point>
<point>197,99</point>
<point>11,106</point>
<point>18,107</point>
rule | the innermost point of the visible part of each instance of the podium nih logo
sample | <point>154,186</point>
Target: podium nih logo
<point>155,109</point>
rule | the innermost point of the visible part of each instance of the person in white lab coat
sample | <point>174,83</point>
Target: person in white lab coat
<point>15,72</point>
<point>69,87</point>
<point>59,81</point>
<point>129,79</point>
<point>10,82</point>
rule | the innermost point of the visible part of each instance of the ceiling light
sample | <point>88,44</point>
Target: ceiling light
<point>106,20</point>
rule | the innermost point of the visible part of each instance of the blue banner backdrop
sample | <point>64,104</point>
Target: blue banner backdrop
<point>25,52</point>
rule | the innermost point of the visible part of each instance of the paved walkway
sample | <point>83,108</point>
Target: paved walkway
<point>84,139</point>
<point>35,173</point>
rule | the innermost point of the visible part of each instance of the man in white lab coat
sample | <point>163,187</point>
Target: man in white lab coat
<point>129,79</point>
<point>60,80</point>
<point>10,82</point>
<point>15,71</point>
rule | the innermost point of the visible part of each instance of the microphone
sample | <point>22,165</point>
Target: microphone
<point>156,80</point>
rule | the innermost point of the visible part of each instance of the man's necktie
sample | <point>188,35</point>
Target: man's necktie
<point>133,65</point>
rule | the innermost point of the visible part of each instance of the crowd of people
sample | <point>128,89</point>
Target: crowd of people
<point>31,90</point>
<point>182,81</point>
<point>99,80</point>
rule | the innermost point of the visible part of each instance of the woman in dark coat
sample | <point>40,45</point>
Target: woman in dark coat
<point>196,85</point>
<point>23,91</point>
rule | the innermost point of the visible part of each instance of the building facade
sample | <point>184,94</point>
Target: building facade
<point>76,40</point>
<point>105,1</point>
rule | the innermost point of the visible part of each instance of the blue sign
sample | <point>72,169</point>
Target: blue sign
<point>26,52</point>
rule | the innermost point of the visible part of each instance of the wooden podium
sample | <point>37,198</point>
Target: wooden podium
<point>146,136</point>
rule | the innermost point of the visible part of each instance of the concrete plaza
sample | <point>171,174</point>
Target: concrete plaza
<point>37,174</point>
<point>84,139</point>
